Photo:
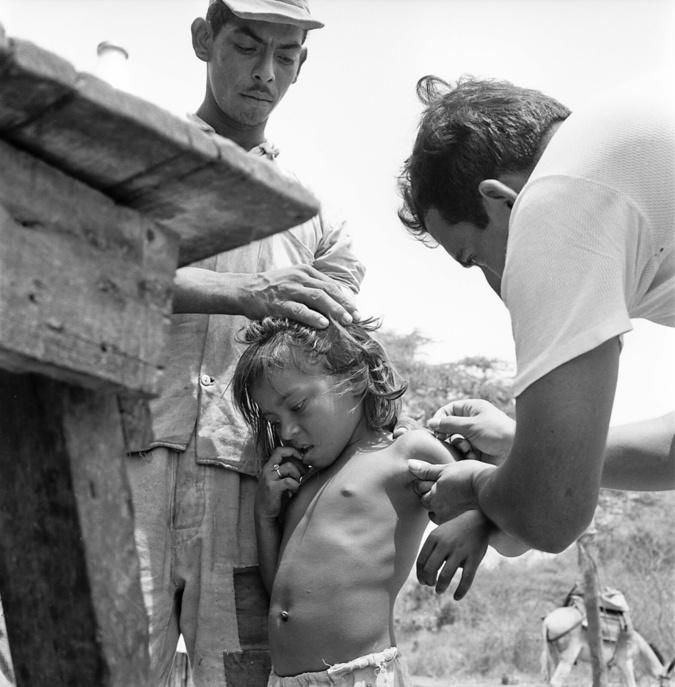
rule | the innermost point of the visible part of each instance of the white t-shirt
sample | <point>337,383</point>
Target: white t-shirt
<point>592,233</point>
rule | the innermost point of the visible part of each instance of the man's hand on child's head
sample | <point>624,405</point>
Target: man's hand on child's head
<point>299,292</point>
<point>459,543</point>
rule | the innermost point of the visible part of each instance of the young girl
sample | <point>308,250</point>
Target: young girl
<point>338,521</point>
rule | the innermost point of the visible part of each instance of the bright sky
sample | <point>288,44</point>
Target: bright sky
<point>348,124</point>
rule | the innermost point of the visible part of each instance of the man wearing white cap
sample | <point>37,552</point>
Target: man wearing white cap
<point>194,483</point>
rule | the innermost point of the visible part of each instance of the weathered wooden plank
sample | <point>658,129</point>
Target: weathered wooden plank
<point>69,575</point>
<point>205,188</point>
<point>210,220</point>
<point>65,314</point>
<point>31,81</point>
<point>85,285</point>
<point>587,556</point>
<point>105,137</point>
<point>97,451</point>
<point>42,198</point>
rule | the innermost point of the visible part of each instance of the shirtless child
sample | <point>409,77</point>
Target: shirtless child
<point>338,521</point>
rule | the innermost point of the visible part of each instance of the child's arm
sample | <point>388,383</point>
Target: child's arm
<point>458,543</point>
<point>461,543</point>
<point>421,444</point>
<point>280,476</point>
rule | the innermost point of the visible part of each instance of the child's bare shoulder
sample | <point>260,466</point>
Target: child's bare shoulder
<point>423,445</point>
<point>415,443</point>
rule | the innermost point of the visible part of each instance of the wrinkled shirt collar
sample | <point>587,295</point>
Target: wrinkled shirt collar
<point>265,149</point>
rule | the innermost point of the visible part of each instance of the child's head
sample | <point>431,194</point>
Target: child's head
<point>352,367</point>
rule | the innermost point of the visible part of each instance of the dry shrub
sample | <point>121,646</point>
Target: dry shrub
<point>434,654</point>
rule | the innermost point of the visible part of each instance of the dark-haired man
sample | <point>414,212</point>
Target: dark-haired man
<point>571,217</point>
<point>193,487</point>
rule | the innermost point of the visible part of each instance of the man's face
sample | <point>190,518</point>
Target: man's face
<point>471,246</point>
<point>252,65</point>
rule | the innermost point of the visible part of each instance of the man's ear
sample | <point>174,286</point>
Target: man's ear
<point>202,37</point>
<point>494,190</point>
<point>498,199</point>
<point>301,60</point>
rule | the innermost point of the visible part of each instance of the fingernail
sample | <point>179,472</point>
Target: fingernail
<point>347,318</point>
<point>433,424</point>
<point>357,315</point>
<point>323,322</point>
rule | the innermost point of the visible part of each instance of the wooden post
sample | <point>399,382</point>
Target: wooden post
<point>85,289</point>
<point>69,577</point>
<point>587,555</point>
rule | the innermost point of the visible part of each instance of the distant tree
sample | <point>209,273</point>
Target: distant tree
<point>431,386</point>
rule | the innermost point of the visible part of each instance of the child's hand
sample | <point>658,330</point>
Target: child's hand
<point>458,543</point>
<point>281,476</point>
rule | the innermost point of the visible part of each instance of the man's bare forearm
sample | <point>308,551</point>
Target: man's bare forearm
<point>545,493</point>
<point>198,290</point>
<point>641,456</point>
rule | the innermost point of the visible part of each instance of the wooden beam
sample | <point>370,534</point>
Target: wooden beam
<point>69,574</point>
<point>85,285</point>
<point>205,188</point>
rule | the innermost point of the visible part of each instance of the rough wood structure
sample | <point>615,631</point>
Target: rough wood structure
<point>587,551</point>
<point>102,196</point>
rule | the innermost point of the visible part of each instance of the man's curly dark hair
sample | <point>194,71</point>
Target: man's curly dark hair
<point>475,130</point>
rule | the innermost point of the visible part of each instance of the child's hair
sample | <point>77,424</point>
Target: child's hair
<point>348,351</point>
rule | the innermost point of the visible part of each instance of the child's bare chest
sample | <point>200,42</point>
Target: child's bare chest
<point>343,496</point>
<point>366,494</point>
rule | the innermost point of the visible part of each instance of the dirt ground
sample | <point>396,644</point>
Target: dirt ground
<point>421,681</point>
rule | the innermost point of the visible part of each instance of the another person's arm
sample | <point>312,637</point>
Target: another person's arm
<point>304,292</point>
<point>641,456</point>
<point>299,292</point>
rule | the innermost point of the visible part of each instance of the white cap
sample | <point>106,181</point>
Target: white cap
<point>294,12</point>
